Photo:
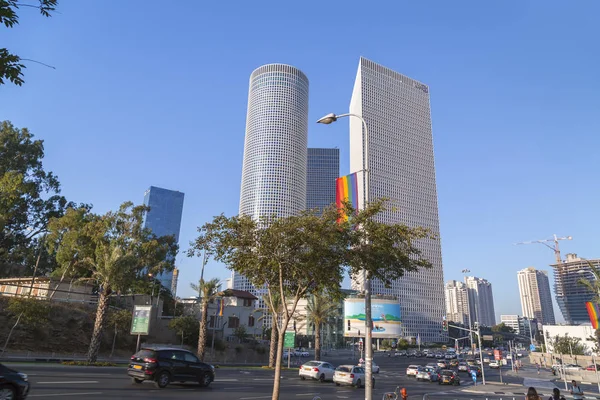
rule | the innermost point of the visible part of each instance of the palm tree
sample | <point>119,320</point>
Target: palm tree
<point>207,291</point>
<point>320,309</point>
<point>594,286</point>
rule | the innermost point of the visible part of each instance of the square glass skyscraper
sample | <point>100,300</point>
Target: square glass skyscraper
<point>401,169</point>
<point>323,169</point>
<point>164,219</point>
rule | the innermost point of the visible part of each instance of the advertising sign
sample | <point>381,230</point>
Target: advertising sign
<point>488,338</point>
<point>498,355</point>
<point>385,314</point>
<point>140,325</point>
<point>289,340</point>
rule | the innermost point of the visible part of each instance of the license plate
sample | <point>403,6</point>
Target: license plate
<point>306,368</point>
<point>137,367</point>
<point>342,374</point>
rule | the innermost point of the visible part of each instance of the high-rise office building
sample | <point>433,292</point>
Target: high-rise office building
<point>571,295</point>
<point>481,301</point>
<point>401,169</point>
<point>322,171</point>
<point>164,219</point>
<point>457,302</point>
<point>275,147</point>
<point>536,298</point>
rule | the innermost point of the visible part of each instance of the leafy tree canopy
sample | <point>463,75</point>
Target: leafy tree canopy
<point>11,67</point>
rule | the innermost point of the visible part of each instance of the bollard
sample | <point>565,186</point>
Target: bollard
<point>403,394</point>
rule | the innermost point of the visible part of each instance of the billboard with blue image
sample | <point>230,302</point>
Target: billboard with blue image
<point>385,314</point>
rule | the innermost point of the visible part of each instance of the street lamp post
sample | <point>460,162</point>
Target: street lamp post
<point>328,119</point>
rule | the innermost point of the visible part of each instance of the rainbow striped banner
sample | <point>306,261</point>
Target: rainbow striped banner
<point>594,313</point>
<point>346,189</point>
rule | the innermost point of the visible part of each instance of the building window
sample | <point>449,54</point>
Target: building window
<point>251,321</point>
<point>247,302</point>
<point>234,322</point>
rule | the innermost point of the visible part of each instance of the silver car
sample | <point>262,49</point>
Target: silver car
<point>350,375</point>
<point>427,374</point>
<point>319,370</point>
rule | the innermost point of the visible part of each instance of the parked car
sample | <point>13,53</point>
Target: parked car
<point>352,375</point>
<point>572,367</point>
<point>411,370</point>
<point>13,385</point>
<point>374,367</point>
<point>447,376</point>
<point>163,365</point>
<point>592,367</point>
<point>463,366</point>
<point>318,370</point>
<point>427,374</point>
<point>494,364</point>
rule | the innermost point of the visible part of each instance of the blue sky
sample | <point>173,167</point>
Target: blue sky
<point>148,94</point>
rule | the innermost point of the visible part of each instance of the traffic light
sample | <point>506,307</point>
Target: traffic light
<point>348,324</point>
<point>444,324</point>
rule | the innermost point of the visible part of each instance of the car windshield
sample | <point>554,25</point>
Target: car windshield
<point>144,353</point>
<point>343,369</point>
<point>312,364</point>
<point>447,372</point>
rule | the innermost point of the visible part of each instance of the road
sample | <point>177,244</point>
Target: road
<point>55,381</point>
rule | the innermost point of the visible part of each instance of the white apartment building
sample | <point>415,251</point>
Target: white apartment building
<point>536,298</point>
<point>481,301</point>
<point>457,302</point>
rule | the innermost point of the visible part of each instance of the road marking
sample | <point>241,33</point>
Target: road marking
<point>262,379</point>
<point>239,388</point>
<point>226,380</point>
<point>64,382</point>
<point>65,394</point>
<point>307,394</point>
<point>252,398</point>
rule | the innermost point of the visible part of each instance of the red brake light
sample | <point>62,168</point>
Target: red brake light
<point>352,376</point>
<point>150,360</point>
<point>316,369</point>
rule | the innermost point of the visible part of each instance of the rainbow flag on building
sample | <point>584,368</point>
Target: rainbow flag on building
<point>347,190</point>
<point>594,313</point>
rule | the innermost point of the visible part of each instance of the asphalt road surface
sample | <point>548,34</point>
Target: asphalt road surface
<point>54,381</point>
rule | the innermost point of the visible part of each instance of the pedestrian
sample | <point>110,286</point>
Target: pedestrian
<point>556,395</point>
<point>576,391</point>
<point>532,394</point>
<point>538,367</point>
<point>474,377</point>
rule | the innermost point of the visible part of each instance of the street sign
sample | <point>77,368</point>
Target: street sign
<point>140,325</point>
<point>532,347</point>
<point>487,338</point>
<point>289,340</point>
<point>498,355</point>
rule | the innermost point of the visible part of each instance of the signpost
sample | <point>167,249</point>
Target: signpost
<point>289,341</point>
<point>140,324</point>
<point>488,338</point>
<point>498,357</point>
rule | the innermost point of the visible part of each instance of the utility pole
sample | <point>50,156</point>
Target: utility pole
<point>477,331</point>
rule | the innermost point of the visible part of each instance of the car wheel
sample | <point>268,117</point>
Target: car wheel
<point>133,380</point>
<point>302,378</point>
<point>162,380</point>
<point>322,378</point>
<point>337,384</point>
<point>358,384</point>
<point>8,393</point>
<point>205,380</point>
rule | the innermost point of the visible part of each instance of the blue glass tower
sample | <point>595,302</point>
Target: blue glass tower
<point>164,219</point>
<point>323,168</point>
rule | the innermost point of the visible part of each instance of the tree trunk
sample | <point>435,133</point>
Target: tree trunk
<point>101,312</point>
<point>277,379</point>
<point>318,342</point>
<point>202,332</point>
<point>272,348</point>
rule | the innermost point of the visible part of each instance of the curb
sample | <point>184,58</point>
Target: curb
<point>522,394</point>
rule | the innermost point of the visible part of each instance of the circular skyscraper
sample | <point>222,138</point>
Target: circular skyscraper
<point>275,148</point>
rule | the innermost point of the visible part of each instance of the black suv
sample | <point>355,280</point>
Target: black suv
<point>449,377</point>
<point>13,384</point>
<point>164,365</point>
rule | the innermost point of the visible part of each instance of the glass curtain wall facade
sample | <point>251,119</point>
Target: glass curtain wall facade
<point>401,168</point>
<point>322,171</point>
<point>275,148</point>
<point>164,219</point>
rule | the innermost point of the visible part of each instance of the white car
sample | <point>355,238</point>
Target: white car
<point>441,364</point>
<point>352,375</point>
<point>486,360</point>
<point>318,370</point>
<point>412,370</point>
<point>494,364</point>
<point>374,367</point>
<point>573,367</point>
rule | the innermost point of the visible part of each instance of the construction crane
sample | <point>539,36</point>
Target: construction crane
<point>554,248</point>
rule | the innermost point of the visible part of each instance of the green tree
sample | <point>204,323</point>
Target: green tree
<point>186,327</point>
<point>568,345</point>
<point>110,251</point>
<point>274,314</point>
<point>11,66</point>
<point>241,333</point>
<point>29,312</point>
<point>502,327</point>
<point>29,198</point>
<point>207,291</point>
<point>321,308</point>
<point>305,254</point>
<point>120,320</point>
<point>402,344</point>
